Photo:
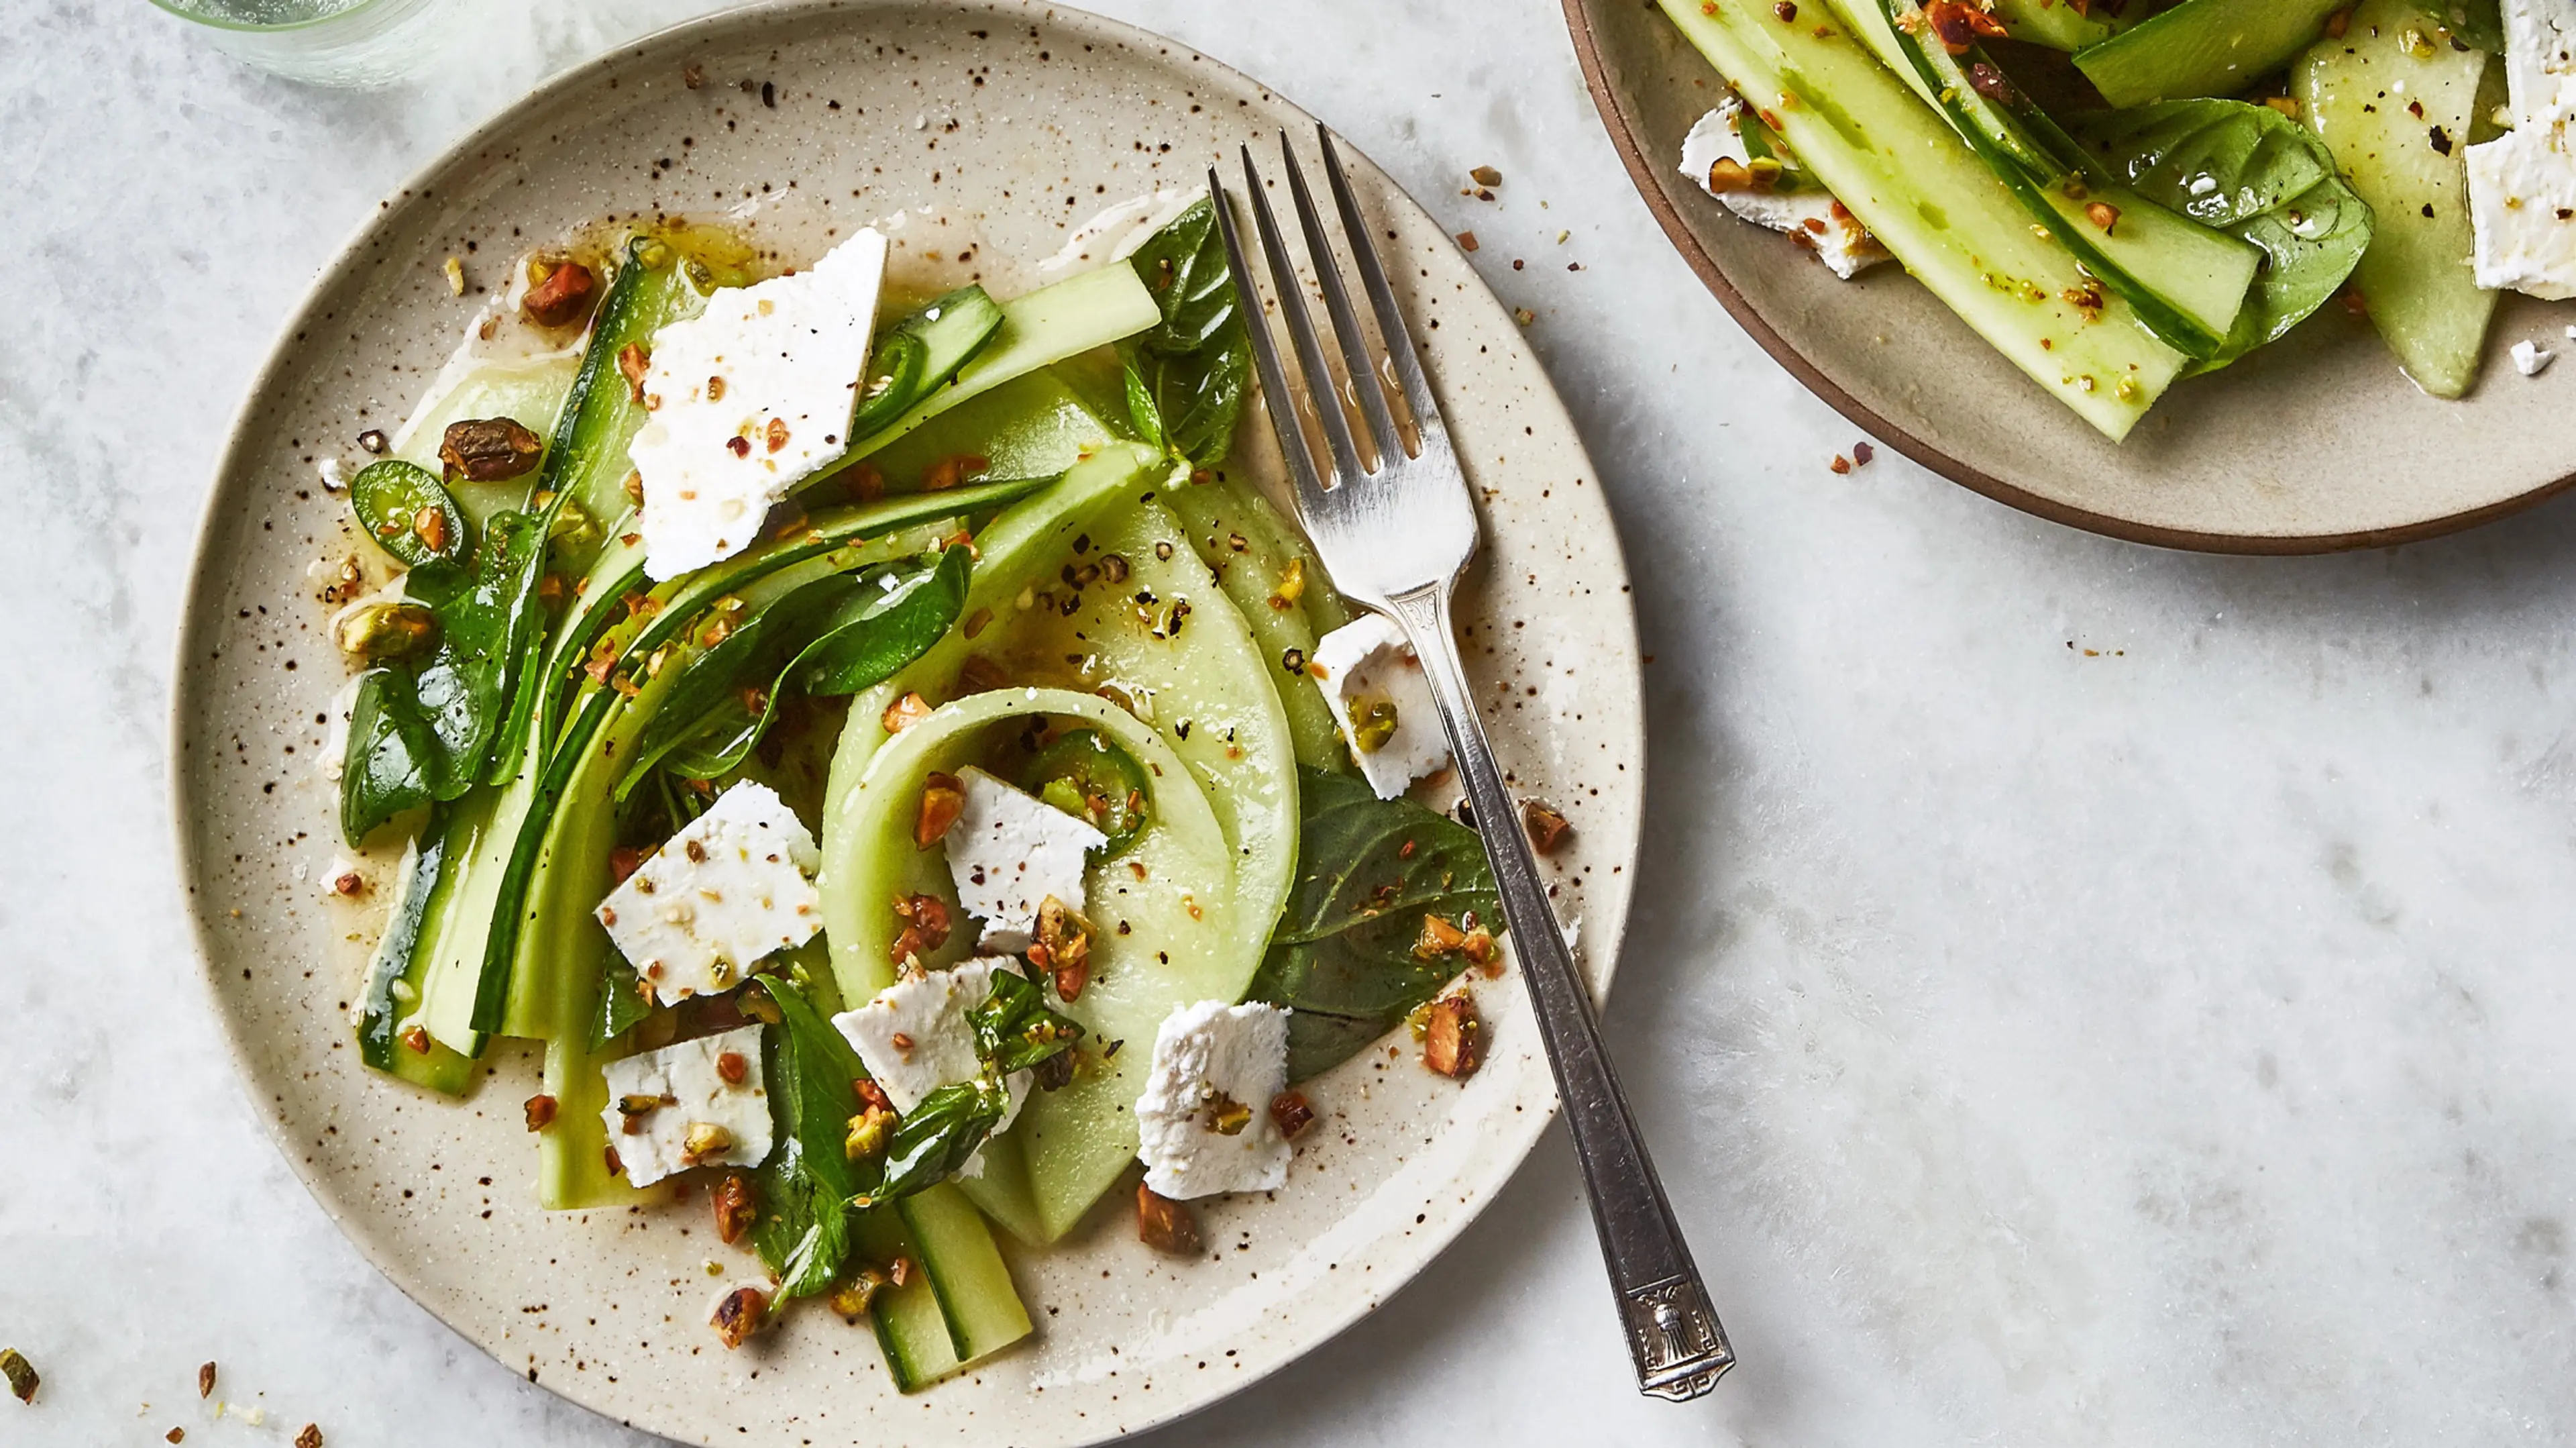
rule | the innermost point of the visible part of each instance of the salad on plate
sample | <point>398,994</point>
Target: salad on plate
<point>2118,197</point>
<point>896,773</point>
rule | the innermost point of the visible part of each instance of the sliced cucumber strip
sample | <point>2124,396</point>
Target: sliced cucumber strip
<point>2202,48</point>
<point>967,1274</point>
<point>2411,168</point>
<point>1931,201</point>
<point>394,977</point>
<point>564,958</point>
<point>1010,550</point>
<point>2056,24</point>
<point>1900,35</point>
<point>1258,557</point>
<point>1050,324</point>
<point>912,1331</point>
<point>2186,281</point>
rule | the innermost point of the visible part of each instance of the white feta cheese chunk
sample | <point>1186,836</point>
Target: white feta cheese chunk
<point>1009,851</point>
<point>719,896</point>
<point>749,398</point>
<point>2540,60</point>
<point>2522,206</point>
<point>1367,670</point>
<point>688,1113</point>
<point>914,1038</point>
<point>1810,214</point>
<point>1203,1125</point>
<point>2529,357</point>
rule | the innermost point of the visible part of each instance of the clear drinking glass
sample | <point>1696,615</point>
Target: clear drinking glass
<point>351,43</point>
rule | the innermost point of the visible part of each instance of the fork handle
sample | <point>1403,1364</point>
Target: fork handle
<point>1673,1333</point>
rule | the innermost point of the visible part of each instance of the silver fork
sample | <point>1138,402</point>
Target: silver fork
<point>1396,539</point>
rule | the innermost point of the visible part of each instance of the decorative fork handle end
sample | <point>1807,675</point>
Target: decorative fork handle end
<point>1674,1336</point>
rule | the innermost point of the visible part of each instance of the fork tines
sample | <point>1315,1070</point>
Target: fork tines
<point>1366,387</point>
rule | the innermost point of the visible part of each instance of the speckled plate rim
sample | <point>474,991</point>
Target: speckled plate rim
<point>1603,938</point>
<point>1618,118</point>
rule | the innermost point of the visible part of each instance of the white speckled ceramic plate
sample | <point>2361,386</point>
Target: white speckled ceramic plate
<point>993,127</point>
<point>2315,443</point>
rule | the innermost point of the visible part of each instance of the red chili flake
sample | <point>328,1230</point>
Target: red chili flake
<point>740,445</point>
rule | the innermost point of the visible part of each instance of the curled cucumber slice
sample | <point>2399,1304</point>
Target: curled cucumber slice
<point>1167,934</point>
<point>408,512</point>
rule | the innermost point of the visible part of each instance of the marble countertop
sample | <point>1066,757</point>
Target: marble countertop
<point>2080,994</point>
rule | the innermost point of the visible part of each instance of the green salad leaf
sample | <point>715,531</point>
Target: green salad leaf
<point>1014,1030</point>
<point>2253,173</point>
<point>1186,377</point>
<point>835,635</point>
<point>1342,959</point>
<point>420,736</point>
<point>809,1181</point>
<point>392,763</point>
<point>939,1134</point>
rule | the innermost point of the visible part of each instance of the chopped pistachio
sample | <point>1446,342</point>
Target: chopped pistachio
<point>853,1298</point>
<point>869,1132</point>
<point>1373,725</point>
<point>705,1140</point>
<point>1227,1116</point>
<point>377,632</point>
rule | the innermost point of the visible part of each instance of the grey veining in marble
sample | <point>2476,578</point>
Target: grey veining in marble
<point>2081,994</point>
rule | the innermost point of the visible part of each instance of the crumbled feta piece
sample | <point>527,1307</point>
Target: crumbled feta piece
<point>2529,357</point>
<point>1203,1125</point>
<point>2522,206</point>
<point>1810,214</point>
<point>2540,60</point>
<point>936,1046</point>
<point>721,894</point>
<point>1008,851</point>
<point>1366,669</point>
<point>702,1119</point>
<point>2522,184</point>
<point>747,399</point>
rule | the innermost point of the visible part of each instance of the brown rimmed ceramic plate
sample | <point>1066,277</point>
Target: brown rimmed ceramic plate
<point>2313,444</point>
<point>992,128</point>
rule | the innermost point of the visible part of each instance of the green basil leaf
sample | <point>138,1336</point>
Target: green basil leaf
<point>807,1185</point>
<point>392,763</point>
<point>1342,957</point>
<point>487,617</point>
<point>1014,1030</point>
<point>622,1004</point>
<point>708,692</point>
<point>937,1136</point>
<point>870,639</point>
<point>1186,377</point>
<point>2256,174</point>
<point>836,635</point>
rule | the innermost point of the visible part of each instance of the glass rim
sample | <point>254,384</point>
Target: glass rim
<point>253,27</point>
